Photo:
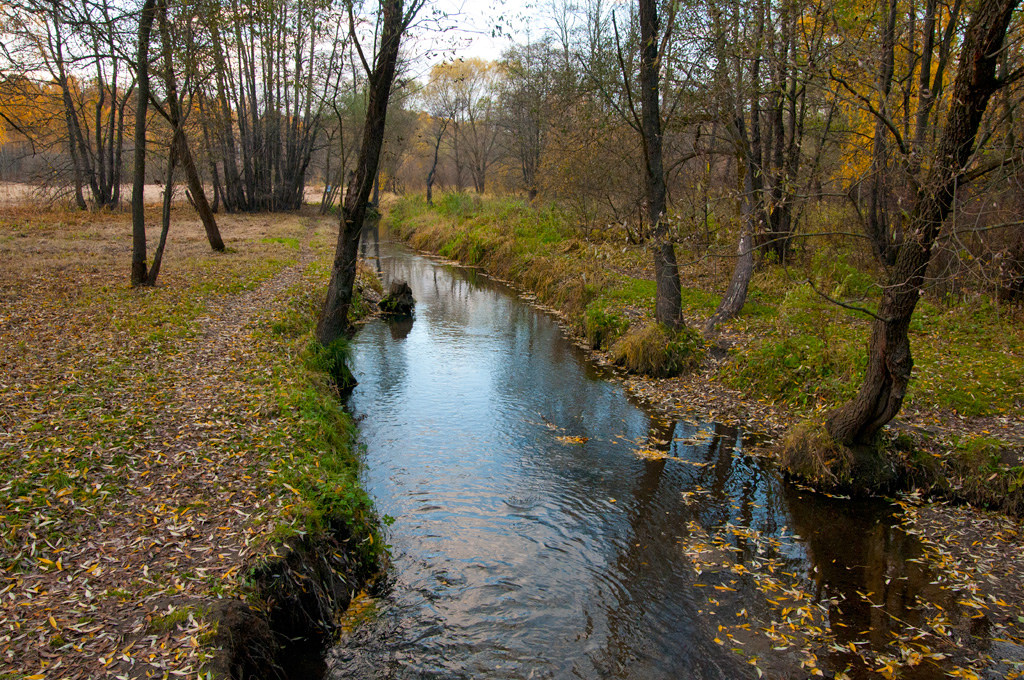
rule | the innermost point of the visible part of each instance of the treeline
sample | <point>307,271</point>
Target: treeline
<point>768,110</point>
<point>261,89</point>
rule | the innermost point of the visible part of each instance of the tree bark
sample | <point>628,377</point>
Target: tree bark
<point>668,309</point>
<point>749,164</point>
<point>889,360</point>
<point>165,218</point>
<point>195,184</point>
<point>333,322</point>
<point>878,219</point>
<point>138,273</point>
<point>736,294</point>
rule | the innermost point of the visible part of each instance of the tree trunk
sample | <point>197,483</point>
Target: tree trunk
<point>749,164</point>
<point>668,308</point>
<point>878,224</point>
<point>195,184</point>
<point>165,218</point>
<point>889,361</point>
<point>138,274</point>
<point>333,322</point>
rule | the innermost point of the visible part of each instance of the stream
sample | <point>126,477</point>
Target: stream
<point>545,523</point>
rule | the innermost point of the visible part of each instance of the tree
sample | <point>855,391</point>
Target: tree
<point>139,274</point>
<point>333,322</point>
<point>526,97</point>
<point>942,174</point>
<point>179,143</point>
<point>668,300</point>
<point>478,89</point>
<point>437,126</point>
<point>78,46</point>
<point>275,71</point>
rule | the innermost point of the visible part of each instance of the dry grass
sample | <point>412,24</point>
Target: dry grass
<point>810,453</point>
<point>652,351</point>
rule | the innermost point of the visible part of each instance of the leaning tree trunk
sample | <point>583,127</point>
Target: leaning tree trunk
<point>138,276</point>
<point>165,217</point>
<point>333,322</point>
<point>749,167</point>
<point>195,184</point>
<point>433,166</point>
<point>668,307</point>
<point>749,160</point>
<point>889,361</point>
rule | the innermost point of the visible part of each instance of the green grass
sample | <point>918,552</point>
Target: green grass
<point>314,457</point>
<point>291,242</point>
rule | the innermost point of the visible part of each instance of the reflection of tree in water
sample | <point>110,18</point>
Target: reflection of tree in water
<point>371,232</point>
<point>400,328</point>
<point>654,628</point>
<point>861,557</point>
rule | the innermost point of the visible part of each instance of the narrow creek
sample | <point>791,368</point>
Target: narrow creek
<point>545,523</point>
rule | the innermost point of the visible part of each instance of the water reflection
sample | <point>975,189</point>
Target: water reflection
<point>546,525</point>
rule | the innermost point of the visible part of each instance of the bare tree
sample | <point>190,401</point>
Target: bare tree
<point>668,300</point>
<point>333,322</point>
<point>948,168</point>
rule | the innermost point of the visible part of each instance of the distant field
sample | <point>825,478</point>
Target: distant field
<point>20,193</point>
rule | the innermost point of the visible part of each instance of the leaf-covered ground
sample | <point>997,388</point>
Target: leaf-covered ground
<point>149,455</point>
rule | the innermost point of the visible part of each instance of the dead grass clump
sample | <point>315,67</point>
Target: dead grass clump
<point>653,351</point>
<point>810,453</point>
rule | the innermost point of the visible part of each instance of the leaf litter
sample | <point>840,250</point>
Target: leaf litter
<point>138,439</point>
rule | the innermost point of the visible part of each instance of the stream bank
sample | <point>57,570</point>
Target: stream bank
<point>163,449</point>
<point>547,281</point>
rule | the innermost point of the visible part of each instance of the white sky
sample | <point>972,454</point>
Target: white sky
<point>480,28</point>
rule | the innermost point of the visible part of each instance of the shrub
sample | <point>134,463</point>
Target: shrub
<point>602,327</point>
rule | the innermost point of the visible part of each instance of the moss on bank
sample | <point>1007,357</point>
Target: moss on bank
<point>327,543</point>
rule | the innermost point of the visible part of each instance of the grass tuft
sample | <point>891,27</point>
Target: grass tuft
<point>654,351</point>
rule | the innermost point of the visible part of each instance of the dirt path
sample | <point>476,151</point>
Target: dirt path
<point>134,484</point>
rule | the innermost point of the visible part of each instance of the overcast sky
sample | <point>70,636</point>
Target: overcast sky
<point>481,28</point>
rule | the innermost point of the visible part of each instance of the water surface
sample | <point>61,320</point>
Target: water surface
<point>530,538</point>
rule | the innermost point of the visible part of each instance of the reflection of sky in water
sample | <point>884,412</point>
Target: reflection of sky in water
<point>518,554</point>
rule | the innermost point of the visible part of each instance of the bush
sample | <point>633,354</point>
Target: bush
<point>602,327</point>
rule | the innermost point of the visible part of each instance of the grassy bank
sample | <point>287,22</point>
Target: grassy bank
<point>791,354</point>
<point>163,450</point>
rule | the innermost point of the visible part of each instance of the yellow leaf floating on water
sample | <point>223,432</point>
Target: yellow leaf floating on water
<point>572,440</point>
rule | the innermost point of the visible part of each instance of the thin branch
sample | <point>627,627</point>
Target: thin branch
<point>875,112</point>
<point>355,39</point>
<point>625,79</point>
<point>853,308</point>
